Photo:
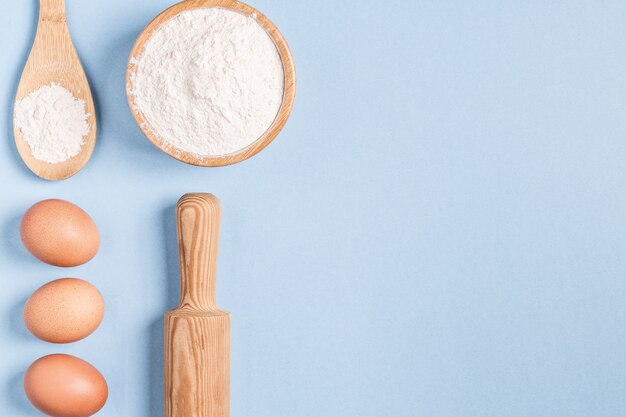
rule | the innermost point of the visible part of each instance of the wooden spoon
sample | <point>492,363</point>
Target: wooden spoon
<point>53,59</point>
<point>197,332</point>
<point>289,92</point>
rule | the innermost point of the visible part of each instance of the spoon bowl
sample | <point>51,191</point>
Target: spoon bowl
<point>288,92</point>
<point>54,60</point>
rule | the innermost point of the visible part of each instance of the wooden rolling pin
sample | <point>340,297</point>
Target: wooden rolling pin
<point>197,332</point>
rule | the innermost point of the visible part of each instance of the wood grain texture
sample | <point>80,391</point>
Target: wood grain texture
<point>53,59</point>
<point>289,93</point>
<point>197,332</point>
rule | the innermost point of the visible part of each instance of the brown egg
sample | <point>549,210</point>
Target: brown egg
<point>59,233</point>
<point>65,386</point>
<point>64,311</point>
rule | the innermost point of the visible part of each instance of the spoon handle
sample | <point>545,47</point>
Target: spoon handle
<point>52,11</point>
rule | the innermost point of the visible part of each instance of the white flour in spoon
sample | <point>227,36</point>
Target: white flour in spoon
<point>209,82</point>
<point>53,123</point>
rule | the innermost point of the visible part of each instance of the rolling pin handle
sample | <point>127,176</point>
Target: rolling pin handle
<point>198,224</point>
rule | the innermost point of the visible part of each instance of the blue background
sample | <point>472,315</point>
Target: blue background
<point>439,231</point>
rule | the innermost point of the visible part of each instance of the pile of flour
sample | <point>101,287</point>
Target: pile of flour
<point>209,82</point>
<point>53,123</point>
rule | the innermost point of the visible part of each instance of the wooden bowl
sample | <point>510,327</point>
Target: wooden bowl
<point>288,93</point>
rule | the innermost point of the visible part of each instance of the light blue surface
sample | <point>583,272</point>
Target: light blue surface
<point>439,231</point>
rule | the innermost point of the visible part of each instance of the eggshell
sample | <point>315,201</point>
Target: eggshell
<point>59,233</point>
<point>64,311</point>
<point>65,386</point>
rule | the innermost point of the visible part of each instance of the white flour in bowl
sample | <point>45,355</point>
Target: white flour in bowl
<point>209,82</point>
<point>53,123</point>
